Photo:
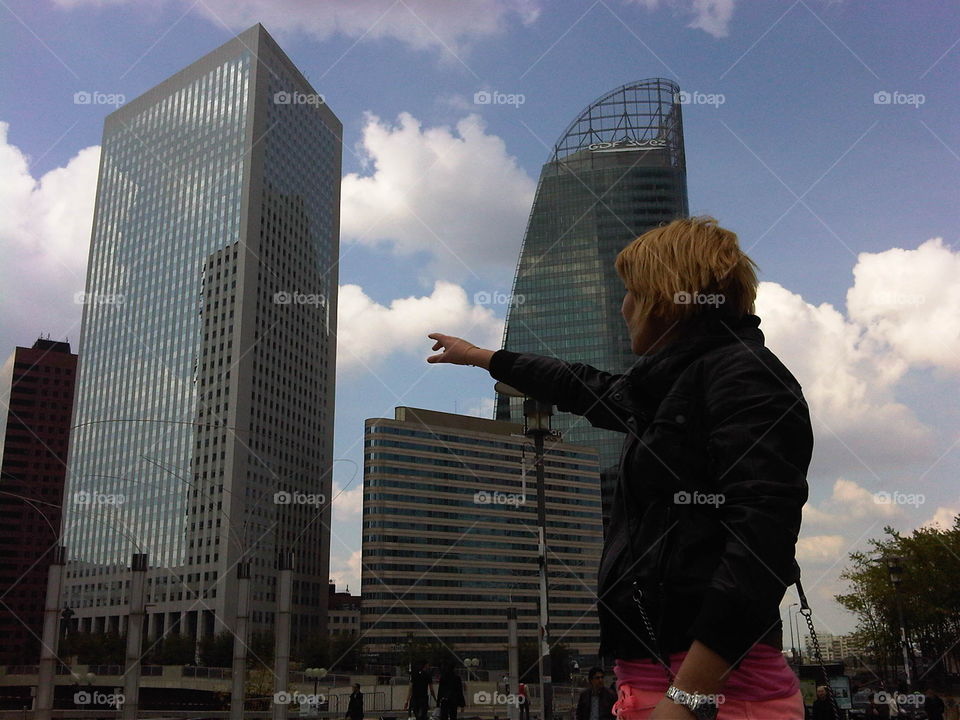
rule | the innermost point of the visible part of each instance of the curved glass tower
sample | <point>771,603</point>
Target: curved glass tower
<point>617,171</point>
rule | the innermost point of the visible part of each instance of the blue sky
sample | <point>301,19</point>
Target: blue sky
<point>838,196</point>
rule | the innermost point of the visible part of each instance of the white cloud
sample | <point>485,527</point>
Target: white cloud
<point>457,194</point>
<point>910,301</point>
<point>849,501</point>
<point>421,24</point>
<point>345,566</point>
<point>369,333</point>
<point>848,380</point>
<point>943,518</point>
<point>820,548</point>
<point>711,16</point>
<point>45,232</point>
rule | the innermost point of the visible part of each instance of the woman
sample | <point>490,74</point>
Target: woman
<point>449,692</point>
<point>712,479</point>
<point>355,707</point>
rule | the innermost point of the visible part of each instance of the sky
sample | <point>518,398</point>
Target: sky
<point>823,133</point>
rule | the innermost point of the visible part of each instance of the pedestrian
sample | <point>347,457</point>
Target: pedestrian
<point>822,707</point>
<point>711,483</point>
<point>596,702</point>
<point>449,692</point>
<point>523,701</point>
<point>355,707</point>
<point>421,688</point>
<point>933,706</point>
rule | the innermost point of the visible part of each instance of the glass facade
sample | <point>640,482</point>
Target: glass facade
<point>450,536</point>
<point>617,171</point>
<point>200,393</point>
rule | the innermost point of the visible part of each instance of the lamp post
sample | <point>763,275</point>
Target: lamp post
<point>471,663</point>
<point>895,572</point>
<point>793,646</point>
<point>796,624</point>
<point>536,416</point>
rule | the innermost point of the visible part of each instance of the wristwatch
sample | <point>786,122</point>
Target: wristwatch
<point>704,707</point>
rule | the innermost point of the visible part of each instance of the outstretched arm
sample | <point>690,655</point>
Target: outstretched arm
<point>600,397</point>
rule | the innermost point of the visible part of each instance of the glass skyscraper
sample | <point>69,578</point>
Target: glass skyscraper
<point>617,171</point>
<point>203,422</point>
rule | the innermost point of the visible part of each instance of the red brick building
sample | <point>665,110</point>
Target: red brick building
<point>36,402</point>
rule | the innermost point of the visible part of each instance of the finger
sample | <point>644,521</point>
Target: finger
<point>437,345</point>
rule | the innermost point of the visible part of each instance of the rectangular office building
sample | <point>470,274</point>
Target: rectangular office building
<point>205,400</point>
<point>450,537</point>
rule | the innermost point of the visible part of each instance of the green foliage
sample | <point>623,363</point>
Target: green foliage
<point>929,595</point>
<point>260,653</point>
<point>337,653</point>
<point>217,650</point>
<point>174,650</point>
<point>95,648</point>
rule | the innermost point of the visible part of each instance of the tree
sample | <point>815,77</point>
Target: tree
<point>174,650</point>
<point>217,650</point>
<point>929,594</point>
<point>95,648</point>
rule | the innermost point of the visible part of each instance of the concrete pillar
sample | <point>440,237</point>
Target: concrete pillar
<point>152,627</point>
<point>513,662</point>
<point>282,641</point>
<point>135,614</point>
<point>240,639</point>
<point>47,677</point>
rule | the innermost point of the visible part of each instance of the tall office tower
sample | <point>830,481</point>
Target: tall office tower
<point>36,399</point>
<point>450,537</point>
<point>617,171</point>
<point>204,419</point>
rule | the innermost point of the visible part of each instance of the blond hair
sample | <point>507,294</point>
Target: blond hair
<point>679,270</point>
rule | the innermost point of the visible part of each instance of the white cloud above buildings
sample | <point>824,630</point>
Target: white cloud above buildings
<point>420,24</point>
<point>453,192</point>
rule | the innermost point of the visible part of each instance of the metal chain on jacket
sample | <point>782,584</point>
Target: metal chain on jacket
<point>808,616</point>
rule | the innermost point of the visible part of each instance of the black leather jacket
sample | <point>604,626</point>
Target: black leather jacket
<point>711,483</point>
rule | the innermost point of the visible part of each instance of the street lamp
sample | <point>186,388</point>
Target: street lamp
<point>471,663</point>
<point>536,425</point>
<point>317,674</point>
<point>895,572</point>
<point>793,646</point>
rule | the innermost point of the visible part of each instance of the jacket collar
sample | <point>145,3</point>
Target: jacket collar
<point>652,376</point>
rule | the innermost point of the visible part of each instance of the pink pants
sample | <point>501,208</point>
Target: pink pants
<point>638,704</point>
